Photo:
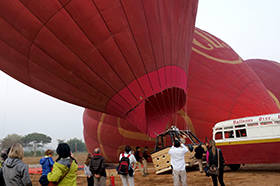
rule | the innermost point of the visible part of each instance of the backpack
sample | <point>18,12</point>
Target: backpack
<point>123,167</point>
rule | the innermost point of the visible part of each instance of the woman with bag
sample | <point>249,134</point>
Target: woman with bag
<point>215,161</point>
<point>87,171</point>
<point>64,169</point>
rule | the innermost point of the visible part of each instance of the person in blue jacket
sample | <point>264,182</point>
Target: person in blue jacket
<point>47,164</point>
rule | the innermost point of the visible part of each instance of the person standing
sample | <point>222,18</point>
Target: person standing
<point>47,164</point>
<point>138,161</point>
<point>128,178</point>
<point>4,156</point>
<point>87,171</point>
<point>15,171</point>
<point>178,164</point>
<point>159,147</point>
<point>212,159</point>
<point>145,161</point>
<point>65,168</point>
<point>199,150</point>
<point>97,168</point>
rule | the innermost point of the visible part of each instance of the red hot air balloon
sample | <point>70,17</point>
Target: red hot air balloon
<point>221,86</point>
<point>125,58</point>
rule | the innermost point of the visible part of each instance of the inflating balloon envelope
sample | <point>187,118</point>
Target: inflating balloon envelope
<point>220,87</point>
<point>125,58</point>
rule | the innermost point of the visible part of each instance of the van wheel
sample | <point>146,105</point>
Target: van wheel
<point>234,167</point>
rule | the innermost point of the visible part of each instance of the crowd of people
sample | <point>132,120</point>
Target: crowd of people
<point>14,172</point>
<point>63,171</point>
<point>128,163</point>
<point>177,153</point>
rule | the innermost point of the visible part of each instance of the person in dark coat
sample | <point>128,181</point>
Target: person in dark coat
<point>138,161</point>
<point>199,150</point>
<point>145,157</point>
<point>4,155</point>
<point>159,147</point>
<point>97,168</point>
<point>212,159</point>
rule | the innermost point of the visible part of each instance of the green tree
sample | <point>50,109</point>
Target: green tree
<point>10,139</point>
<point>36,140</point>
<point>77,145</point>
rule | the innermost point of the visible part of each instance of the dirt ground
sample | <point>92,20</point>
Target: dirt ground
<point>248,175</point>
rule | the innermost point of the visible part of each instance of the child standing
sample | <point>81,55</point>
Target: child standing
<point>47,164</point>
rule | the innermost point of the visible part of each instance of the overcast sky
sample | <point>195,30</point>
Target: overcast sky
<point>250,27</point>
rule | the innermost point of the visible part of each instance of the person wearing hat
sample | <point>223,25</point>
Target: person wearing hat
<point>65,168</point>
<point>177,153</point>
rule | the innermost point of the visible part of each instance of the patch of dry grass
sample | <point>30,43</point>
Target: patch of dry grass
<point>80,157</point>
<point>248,175</point>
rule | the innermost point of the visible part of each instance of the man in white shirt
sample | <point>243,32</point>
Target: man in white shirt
<point>127,178</point>
<point>177,154</point>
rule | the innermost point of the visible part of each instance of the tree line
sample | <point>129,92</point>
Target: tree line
<point>35,140</point>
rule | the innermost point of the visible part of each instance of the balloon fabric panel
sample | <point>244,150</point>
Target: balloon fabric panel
<point>268,72</point>
<point>111,134</point>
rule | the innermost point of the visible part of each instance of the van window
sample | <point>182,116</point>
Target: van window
<point>241,133</point>
<point>253,124</point>
<point>228,127</point>
<point>229,134</point>
<point>266,123</point>
<point>239,126</point>
<point>218,136</point>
